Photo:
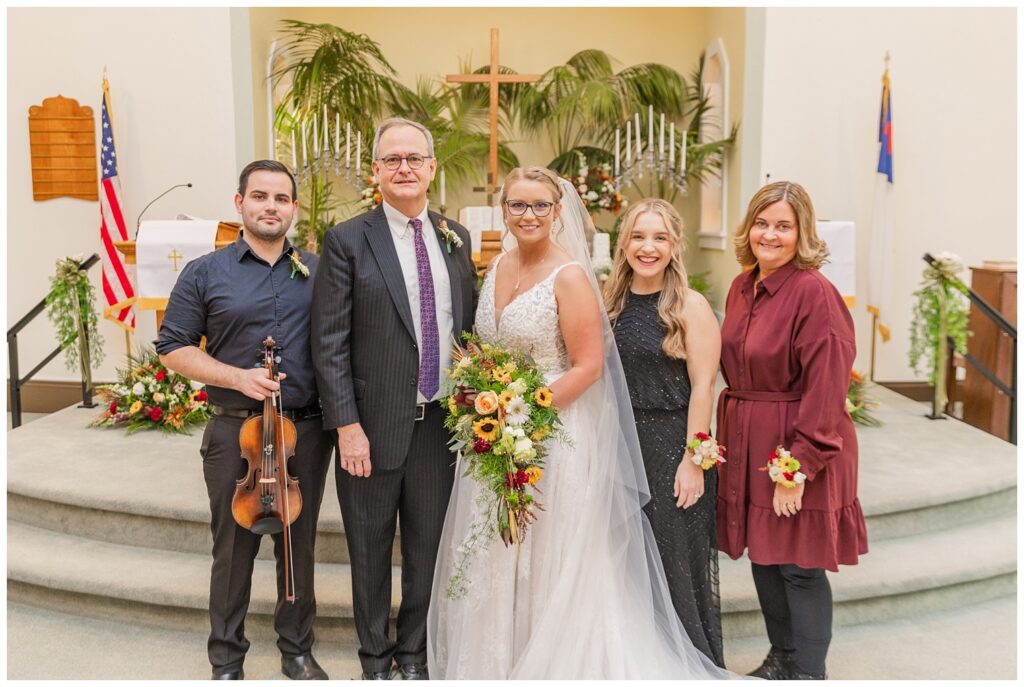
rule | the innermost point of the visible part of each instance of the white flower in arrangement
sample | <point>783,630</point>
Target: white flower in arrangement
<point>139,389</point>
<point>515,432</point>
<point>152,387</point>
<point>158,397</point>
<point>775,472</point>
<point>799,478</point>
<point>524,449</point>
<point>517,387</point>
<point>592,195</point>
<point>517,412</point>
<point>196,386</point>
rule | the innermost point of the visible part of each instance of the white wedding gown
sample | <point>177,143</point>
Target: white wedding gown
<point>589,599</point>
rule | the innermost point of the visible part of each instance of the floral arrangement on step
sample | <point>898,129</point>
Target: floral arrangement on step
<point>71,307</point>
<point>941,291</point>
<point>149,396</point>
<point>596,186</point>
<point>501,416</point>
<point>859,403</point>
<point>370,197</point>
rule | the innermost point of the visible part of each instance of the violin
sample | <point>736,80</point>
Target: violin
<point>267,498</point>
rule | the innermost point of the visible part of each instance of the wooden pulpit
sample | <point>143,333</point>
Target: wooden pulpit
<point>227,233</point>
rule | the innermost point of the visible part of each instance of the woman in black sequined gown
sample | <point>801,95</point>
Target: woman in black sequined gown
<point>672,398</point>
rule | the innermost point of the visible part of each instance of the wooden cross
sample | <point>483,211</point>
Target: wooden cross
<point>174,257</point>
<point>493,78</point>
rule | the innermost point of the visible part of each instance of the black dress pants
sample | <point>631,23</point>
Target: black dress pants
<point>235,548</point>
<point>416,493</point>
<point>797,607</point>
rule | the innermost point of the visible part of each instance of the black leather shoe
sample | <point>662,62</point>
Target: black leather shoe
<point>380,675</point>
<point>303,667</point>
<point>413,671</point>
<point>777,665</point>
<point>798,674</point>
<point>230,675</point>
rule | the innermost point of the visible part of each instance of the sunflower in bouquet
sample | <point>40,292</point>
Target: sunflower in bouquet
<point>149,396</point>
<point>501,415</point>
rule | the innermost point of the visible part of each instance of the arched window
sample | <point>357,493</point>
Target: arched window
<point>714,126</point>
<point>277,88</point>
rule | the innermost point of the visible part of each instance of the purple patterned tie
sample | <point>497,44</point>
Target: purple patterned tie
<point>430,355</point>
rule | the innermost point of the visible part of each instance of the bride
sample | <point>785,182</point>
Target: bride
<point>587,598</point>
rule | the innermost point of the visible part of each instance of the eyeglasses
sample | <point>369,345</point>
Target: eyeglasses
<point>393,162</point>
<point>518,208</point>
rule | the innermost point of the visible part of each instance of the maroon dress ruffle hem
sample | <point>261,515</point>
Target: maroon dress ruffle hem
<point>786,357</point>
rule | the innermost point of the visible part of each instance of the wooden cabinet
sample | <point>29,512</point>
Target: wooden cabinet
<point>985,406</point>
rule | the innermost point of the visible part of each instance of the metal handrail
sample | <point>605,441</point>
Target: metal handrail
<point>16,382</point>
<point>1004,324</point>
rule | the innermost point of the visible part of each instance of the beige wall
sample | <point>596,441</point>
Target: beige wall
<point>954,88</point>
<point>175,115</point>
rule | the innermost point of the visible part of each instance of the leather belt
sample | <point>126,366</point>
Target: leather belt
<point>297,415</point>
<point>422,408</point>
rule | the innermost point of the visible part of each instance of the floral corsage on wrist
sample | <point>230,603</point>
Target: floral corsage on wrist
<point>297,265</point>
<point>450,237</point>
<point>784,469</point>
<point>704,451</point>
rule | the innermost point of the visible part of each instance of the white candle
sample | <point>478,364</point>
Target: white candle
<point>348,144</point>
<point>359,150</point>
<point>661,138</point>
<point>636,129</point>
<point>316,139</point>
<point>442,188</point>
<point>672,146</point>
<point>629,141</point>
<point>337,135</point>
<point>304,158</point>
<point>650,128</point>
<point>327,140</point>
<point>295,164</point>
<point>616,152</point>
<point>682,153</point>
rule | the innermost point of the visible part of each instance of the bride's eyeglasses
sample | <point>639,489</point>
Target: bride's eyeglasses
<point>518,208</point>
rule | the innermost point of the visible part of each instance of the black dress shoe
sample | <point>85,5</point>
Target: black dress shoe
<point>230,675</point>
<point>413,671</point>
<point>798,674</point>
<point>303,667</point>
<point>378,675</point>
<point>777,665</point>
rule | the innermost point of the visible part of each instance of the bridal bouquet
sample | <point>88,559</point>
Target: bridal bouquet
<point>500,414</point>
<point>149,396</point>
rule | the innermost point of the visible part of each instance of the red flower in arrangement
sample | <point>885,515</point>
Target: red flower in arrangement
<point>156,413</point>
<point>516,479</point>
<point>702,436</point>
<point>481,446</point>
<point>113,407</point>
<point>161,375</point>
<point>201,396</point>
<point>466,396</point>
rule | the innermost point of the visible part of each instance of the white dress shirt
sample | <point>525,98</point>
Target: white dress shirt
<point>403,236</point>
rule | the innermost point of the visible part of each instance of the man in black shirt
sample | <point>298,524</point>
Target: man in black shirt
<point>236,297</point>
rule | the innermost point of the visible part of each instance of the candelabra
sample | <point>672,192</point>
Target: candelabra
<point>641,160</point>
<point>324,161</point>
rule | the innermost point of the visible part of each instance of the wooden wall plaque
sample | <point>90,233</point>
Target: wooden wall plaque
<point>62,140</point>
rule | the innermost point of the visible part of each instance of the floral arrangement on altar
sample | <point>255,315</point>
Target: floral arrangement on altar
<point>500,413</point>
<point>370,197</point>
<point>149,396</point>
<point>859,403</point>
<point>597,187</point>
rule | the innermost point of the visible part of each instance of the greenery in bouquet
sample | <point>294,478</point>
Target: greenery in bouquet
<point>71,307</point>
<point>501,416</point>
<point>149,396</point>
<point>596,186</point>
<point>941,311</point>
<point>858,403</point>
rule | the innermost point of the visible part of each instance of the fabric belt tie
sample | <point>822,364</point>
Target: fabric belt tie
<point>770,396</point>
<point>430,354</point>
<point>297,415</point>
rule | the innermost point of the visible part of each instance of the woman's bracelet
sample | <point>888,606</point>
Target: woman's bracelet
<point>784,469</point>
<point>705,451</point>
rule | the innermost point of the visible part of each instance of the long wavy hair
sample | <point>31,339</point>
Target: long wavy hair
<point>673,292</point>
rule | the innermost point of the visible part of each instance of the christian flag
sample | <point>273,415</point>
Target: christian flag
<point>880,266</point>
<point>117,287</point>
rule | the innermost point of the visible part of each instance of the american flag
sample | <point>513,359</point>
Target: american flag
<point>117,287</point>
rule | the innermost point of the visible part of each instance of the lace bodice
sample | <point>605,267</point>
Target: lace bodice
<point>529,323</point>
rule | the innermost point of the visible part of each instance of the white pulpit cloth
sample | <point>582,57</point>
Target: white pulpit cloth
<point>478,219</point>
<point>841,269</point>
<point>162,249</point>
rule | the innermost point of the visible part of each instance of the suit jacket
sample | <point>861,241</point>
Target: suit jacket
<point>363,338</point>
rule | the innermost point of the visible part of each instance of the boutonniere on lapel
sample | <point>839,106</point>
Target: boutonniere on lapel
<point>450,237</point>
<point>297,266</point>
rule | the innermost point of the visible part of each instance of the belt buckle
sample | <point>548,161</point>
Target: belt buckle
<point>421,411</point>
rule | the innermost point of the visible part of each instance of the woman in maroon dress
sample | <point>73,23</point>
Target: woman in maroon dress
<point>787,351</point>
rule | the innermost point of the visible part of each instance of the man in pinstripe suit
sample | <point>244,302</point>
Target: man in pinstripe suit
<point>393,286</point>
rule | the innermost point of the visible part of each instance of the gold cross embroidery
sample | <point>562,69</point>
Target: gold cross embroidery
<point>175,256</point>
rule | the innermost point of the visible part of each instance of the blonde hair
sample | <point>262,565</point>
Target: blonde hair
<point>676,285</point>
<point>539,174</point>
<point>811,251</point>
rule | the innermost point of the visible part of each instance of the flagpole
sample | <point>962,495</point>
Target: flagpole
<point>874,335</point>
